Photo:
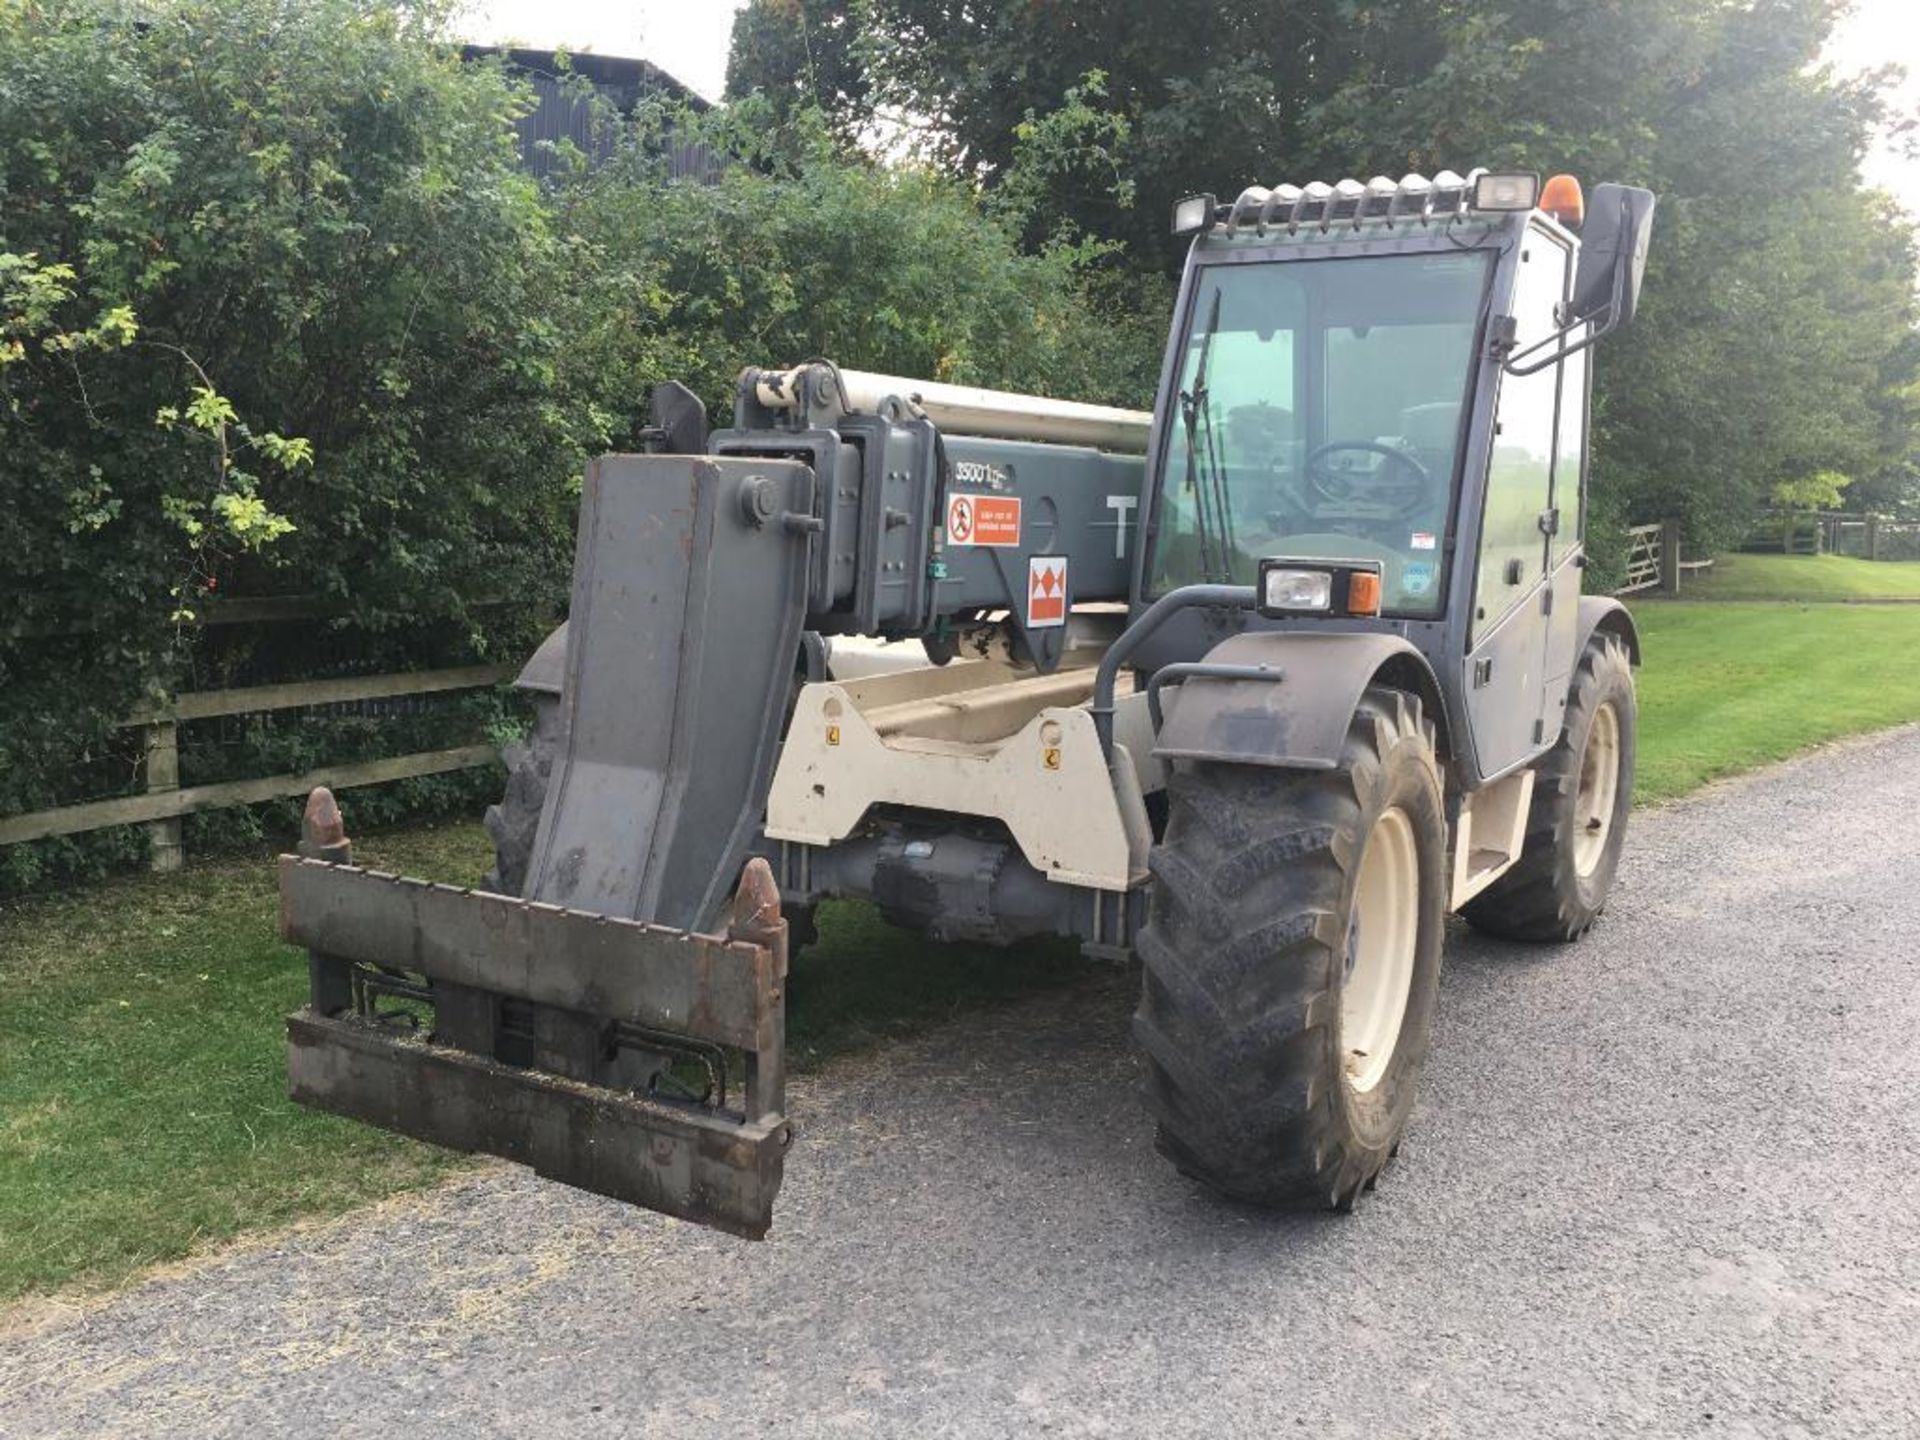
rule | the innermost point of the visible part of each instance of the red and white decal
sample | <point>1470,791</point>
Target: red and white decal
<point>1046,591</point>
<point>983,520</point>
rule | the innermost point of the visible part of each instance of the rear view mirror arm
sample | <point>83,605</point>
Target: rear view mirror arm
<point>1610,322</point>
<point>1513,365</point>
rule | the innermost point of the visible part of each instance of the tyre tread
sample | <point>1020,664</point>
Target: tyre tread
<point>1239,1014</point>
<point>1534,901</point>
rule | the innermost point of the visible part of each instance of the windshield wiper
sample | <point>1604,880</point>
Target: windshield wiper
<point>1211,491</point>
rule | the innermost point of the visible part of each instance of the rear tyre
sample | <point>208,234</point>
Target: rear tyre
<point>515,821</point>
<point>1291,960</point>
<point>1582,790</point>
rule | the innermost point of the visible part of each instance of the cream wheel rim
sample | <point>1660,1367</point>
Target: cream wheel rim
<point>1382,934</point>
<point>1599,789</point>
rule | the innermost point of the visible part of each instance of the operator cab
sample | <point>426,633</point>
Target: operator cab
<point>1392,377</point>
<point>1318,413</point>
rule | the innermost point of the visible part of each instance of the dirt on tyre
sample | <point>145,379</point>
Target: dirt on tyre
<point>1291,960</point>
<point>515,821</point>
<point>1582,791</point>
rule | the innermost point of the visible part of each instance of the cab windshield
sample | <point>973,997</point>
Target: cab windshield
<point>1319,414</point>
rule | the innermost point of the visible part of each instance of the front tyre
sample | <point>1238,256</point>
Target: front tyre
<point>1291,960</point>
<point>1582,790</point>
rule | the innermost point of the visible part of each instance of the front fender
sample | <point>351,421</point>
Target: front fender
<point>546,671</point>
<point>1603,612</point>
<point>1299,719</point>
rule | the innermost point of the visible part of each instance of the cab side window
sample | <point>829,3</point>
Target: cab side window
<point>1570,453</point>
<point>1513,550</point>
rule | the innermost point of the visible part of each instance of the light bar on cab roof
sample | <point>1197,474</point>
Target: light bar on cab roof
<point>1412,198</point>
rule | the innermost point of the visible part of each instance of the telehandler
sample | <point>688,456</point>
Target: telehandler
<point>1257,688</point>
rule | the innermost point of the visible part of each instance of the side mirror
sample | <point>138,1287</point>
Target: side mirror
<point>1613,254</point>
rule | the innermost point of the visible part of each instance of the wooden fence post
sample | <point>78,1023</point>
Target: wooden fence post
<point>1670,557</point>
<point>163,773</point>
<point>1873,536</point>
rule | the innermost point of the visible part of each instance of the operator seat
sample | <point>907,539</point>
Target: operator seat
<point>1431,431</point>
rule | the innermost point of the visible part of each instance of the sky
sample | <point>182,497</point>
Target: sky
<point>688,39</point>
<point>1884,32</point>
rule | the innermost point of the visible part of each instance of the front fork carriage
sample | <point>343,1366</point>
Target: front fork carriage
<point>454,1016</point>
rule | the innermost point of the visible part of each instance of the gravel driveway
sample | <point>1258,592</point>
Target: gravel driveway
<point>1662,1182</point>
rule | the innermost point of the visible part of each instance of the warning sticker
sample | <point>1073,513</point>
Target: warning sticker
<point>1046,591</point>
<point>1422,540</point>
<point>983,520</point>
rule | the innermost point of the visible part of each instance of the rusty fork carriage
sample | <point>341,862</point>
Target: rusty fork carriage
<point>508,1063</point>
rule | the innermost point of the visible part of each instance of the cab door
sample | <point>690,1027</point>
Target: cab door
<point>1565,553</point>
<point>1517,608</point>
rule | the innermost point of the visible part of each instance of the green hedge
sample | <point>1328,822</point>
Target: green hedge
<point>281,314</point>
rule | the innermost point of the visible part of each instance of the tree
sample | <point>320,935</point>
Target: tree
<point>804,55</point>
<point>1776,336</point>
<point>1216,93</point>
<point>796,250</point>
<point>1819,491</point>
<point>1779,310</point>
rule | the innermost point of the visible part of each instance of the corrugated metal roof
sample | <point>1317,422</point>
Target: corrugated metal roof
<point>557,116</point>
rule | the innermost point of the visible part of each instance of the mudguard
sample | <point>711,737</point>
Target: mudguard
<point>1296,715</point>
<point>1599,612</point>
<point>546,672</point>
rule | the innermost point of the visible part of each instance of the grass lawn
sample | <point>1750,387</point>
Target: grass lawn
<point>142,1080</point>
<point>1803,577</point>
<point>1729,687</point>
<point>143,1105</point>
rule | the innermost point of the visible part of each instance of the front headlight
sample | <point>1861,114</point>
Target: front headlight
<point>1337,588</point>
<point>1295,590</point>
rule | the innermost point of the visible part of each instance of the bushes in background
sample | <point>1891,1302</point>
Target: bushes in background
<point>335,371</point>
<point>280,313</point>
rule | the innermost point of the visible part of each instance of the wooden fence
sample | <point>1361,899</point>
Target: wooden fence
<point>1868,537</point>
<point>1830,532</point>
<point>1654,561</point>
<point>163,800</point>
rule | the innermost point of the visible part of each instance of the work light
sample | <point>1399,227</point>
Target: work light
<point>1505,192</point>
<point>1193,214</point>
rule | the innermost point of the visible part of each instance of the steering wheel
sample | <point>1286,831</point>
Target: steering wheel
<point>1339,487</point>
